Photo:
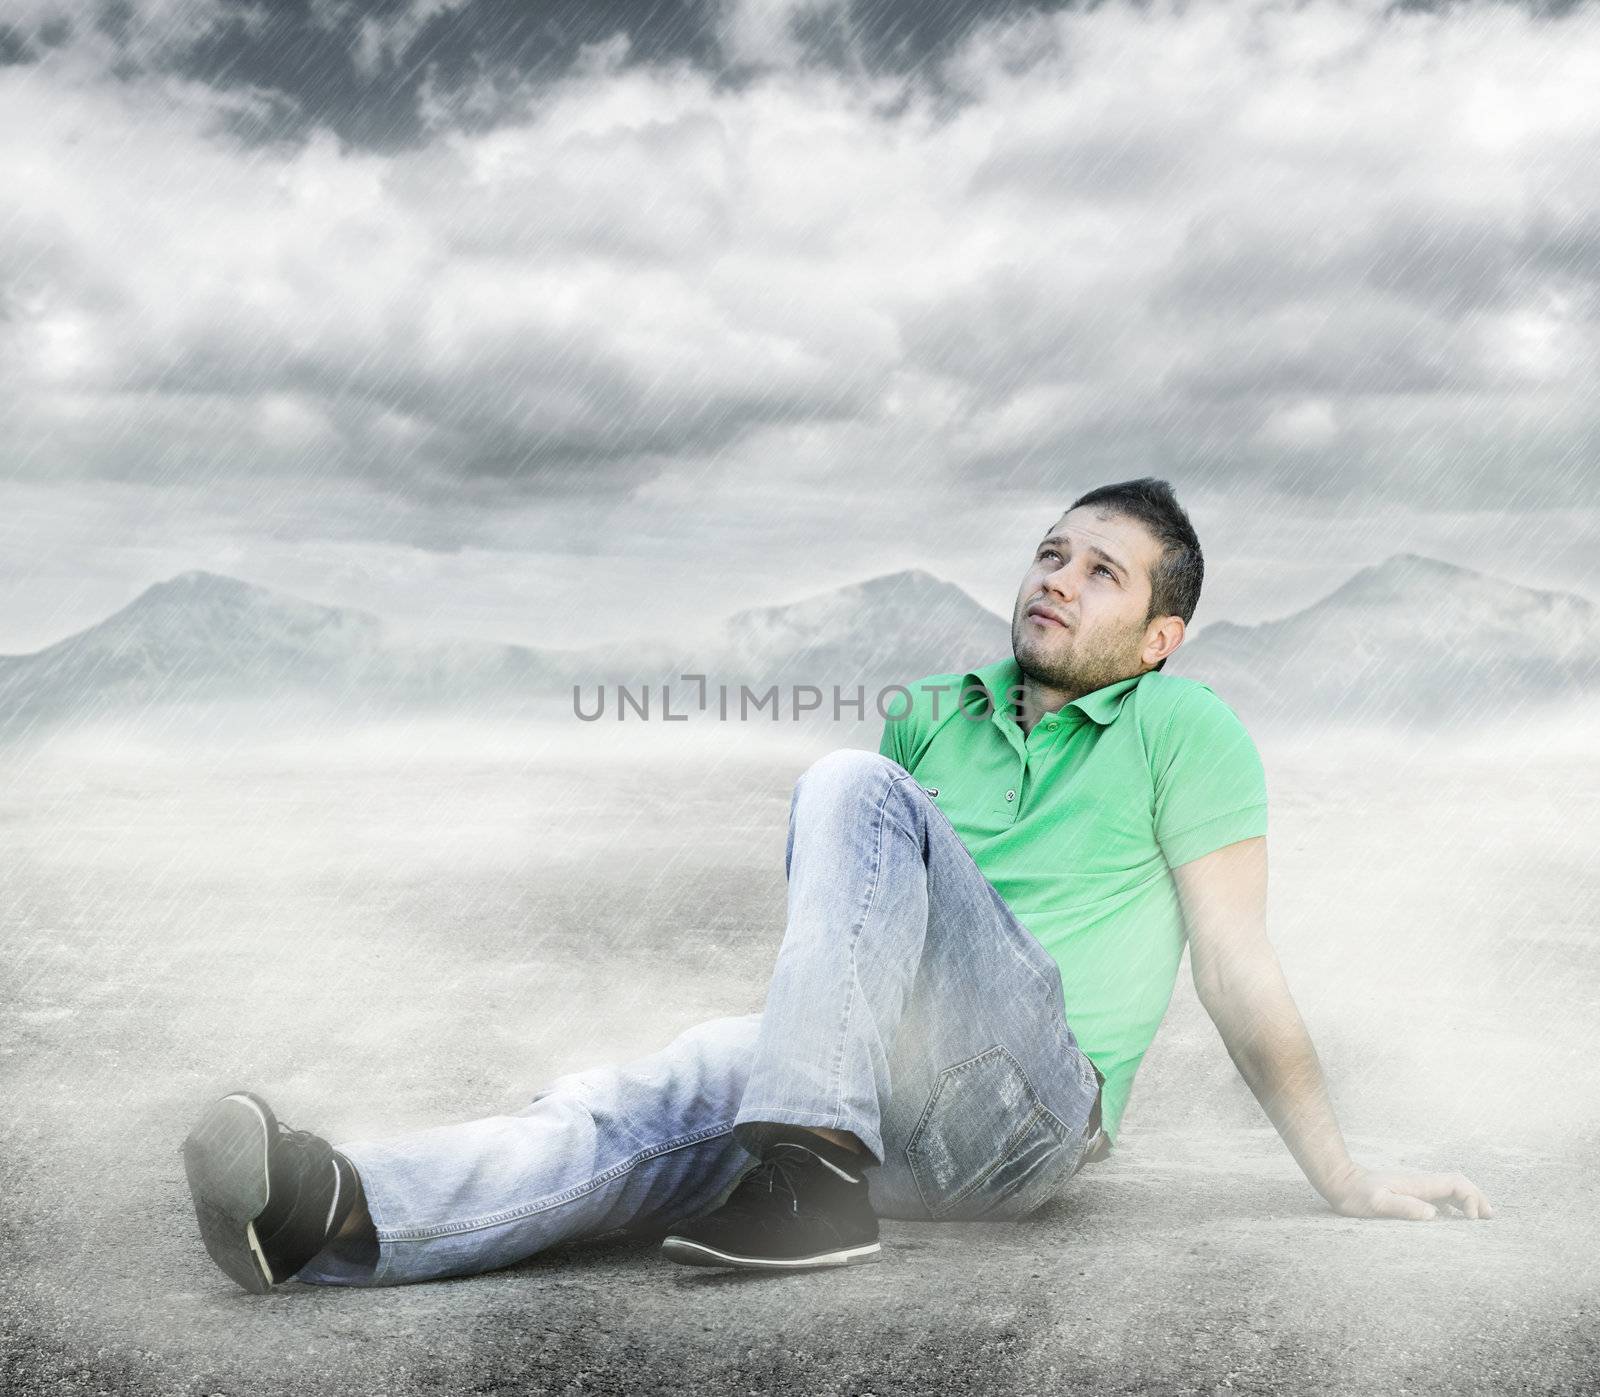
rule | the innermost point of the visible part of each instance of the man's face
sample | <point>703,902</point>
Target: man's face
<point>1091,574</point>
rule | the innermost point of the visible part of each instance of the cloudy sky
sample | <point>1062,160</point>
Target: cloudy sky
<point>557,321</point>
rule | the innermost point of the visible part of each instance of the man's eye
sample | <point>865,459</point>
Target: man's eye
<point>1101,567</point>
<point>1048,553</point>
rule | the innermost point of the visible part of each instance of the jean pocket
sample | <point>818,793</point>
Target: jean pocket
<point>986,1146</point>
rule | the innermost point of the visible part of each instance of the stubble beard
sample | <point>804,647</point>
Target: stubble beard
<point>1075,672</point>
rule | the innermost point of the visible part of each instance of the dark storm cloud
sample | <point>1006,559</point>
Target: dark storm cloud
<point>15,46</point>
<point>313,54</point>
<point>374,71</point>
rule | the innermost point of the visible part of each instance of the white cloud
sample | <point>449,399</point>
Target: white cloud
<point>1308,423</point>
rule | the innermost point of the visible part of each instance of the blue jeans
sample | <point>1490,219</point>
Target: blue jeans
<point>908,1006</point>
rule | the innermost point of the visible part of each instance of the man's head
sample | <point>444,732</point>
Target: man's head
<point>1111,589</point>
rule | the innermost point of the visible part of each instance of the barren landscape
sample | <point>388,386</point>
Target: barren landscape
<point>405,926</point>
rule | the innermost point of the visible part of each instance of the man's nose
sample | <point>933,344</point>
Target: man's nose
<point>1063,582</point>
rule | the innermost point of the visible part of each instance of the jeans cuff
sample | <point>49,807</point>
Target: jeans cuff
<point>336,1265</point>
<point>751,1129</point>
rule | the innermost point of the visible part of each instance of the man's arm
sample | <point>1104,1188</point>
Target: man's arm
<point>1241,985</point>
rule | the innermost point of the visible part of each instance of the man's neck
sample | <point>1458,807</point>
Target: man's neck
<point>1036,701</point>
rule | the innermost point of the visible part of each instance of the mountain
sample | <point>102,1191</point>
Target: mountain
<point>889,629</point>
<point>1411,640</point>
<point>204,639</point>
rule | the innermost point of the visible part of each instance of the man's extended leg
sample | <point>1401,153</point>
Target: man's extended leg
<point>598,1151</point>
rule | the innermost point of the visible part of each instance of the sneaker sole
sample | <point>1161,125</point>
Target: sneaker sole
<point>225,1159</point>
<point>687,1253</point>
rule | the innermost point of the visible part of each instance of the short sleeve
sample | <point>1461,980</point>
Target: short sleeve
<point>911,712</point>
<point>1210,787</point>
<point>896,743</point>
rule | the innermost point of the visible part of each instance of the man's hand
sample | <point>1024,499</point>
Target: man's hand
<point>1395,1193</point>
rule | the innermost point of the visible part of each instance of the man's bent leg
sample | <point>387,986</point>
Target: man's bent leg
<point>910,1007</point>
<point>597,1151</point>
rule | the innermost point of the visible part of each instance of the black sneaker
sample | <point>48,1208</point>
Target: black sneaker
<point>267,1198</point>
<point>801,1206</point>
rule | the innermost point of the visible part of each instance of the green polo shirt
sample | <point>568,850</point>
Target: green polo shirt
<point>1078,824</point>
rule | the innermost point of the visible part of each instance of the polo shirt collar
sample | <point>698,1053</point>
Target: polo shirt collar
<point>1004,676</point>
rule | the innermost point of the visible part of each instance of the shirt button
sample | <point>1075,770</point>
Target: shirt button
<point>1050,727</point>
<point>1011,795</point>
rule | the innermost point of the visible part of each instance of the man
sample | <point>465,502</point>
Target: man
<point>985,922</point>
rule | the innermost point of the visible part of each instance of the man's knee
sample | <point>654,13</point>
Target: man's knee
<point>840,792</point>
<point>849,769</point>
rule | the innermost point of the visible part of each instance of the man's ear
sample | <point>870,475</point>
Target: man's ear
<point>1162,638</point>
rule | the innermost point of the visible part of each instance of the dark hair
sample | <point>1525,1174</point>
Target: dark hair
<point>1175,580</point>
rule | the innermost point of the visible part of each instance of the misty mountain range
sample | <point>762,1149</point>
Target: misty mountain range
<point>1409,640</point>
<point>201,638</point>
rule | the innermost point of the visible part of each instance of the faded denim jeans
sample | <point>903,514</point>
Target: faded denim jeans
<point>908,1005</point>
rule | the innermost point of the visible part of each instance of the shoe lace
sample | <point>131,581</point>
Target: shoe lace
<point>776,1173</point>
<point>302,1141</point>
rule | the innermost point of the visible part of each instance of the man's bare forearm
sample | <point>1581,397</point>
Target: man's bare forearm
<point>1268,1042</point>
